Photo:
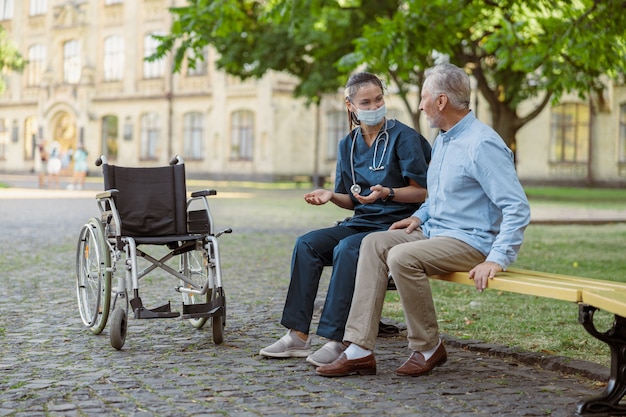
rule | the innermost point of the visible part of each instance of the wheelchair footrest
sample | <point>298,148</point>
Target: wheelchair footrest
<point>162,312</point>
<point>210,309</point>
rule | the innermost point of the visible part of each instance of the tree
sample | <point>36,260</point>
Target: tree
<point>303,38</point>
<point>10,58</point>
<point>516,50</point>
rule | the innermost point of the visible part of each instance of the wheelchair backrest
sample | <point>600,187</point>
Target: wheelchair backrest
<point>151,201</point>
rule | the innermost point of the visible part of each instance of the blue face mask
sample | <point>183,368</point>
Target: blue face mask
<point>372,117</point>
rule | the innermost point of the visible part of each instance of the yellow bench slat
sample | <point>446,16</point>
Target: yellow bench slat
<point>583,282</point>
<point>607,300</point>
<point>605,295</point>
<point>521,285</point>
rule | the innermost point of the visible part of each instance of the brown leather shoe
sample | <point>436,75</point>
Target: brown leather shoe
<point>342,366</point>
<point>416,365</point>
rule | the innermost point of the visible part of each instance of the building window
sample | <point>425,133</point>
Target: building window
<point>242,135</point>
<point>570,133</point>
<point>337,129</point>
<point>201,65</point>
<point>109,136</point>
<point>15,132</point>
<point>4,138</point>
<point>113,58</point>
<point>154,69</point>
<point>193,135</point>
<point>150,132</point>
<point>30,137</point>
<point>622,133</point>
<point>6,9</point>
<point>36,64</point>
<point>38,7</point>
<point>71,62</point>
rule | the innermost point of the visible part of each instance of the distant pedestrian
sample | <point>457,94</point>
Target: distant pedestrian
<point>41,163</point>
<point>54,165</point>
<point>80,168</point>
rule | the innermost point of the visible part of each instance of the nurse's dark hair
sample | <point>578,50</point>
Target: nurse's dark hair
<point>450,80</point>
<point>354,84</point>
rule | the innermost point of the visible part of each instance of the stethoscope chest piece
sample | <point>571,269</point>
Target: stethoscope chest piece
<point>355,189</point>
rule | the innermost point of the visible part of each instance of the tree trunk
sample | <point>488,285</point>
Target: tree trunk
<point>506,123</point>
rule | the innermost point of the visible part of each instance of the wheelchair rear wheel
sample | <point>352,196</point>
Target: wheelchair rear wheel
<point>195,266</point>
<point>93,276</point>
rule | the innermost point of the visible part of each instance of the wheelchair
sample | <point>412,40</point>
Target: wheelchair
<point>141,210</point>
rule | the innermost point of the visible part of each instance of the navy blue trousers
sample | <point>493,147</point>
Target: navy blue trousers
<point>334,246</point>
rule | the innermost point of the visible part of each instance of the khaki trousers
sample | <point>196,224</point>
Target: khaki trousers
<point>410,259</point>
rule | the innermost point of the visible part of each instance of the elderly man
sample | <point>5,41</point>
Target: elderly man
<point>473,220</point>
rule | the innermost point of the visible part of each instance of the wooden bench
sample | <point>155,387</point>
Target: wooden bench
<point>590,295</point>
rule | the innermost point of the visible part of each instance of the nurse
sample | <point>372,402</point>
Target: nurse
<point>380,178</point>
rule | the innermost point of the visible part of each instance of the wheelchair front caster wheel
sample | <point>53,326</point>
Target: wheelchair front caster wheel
<point>218,329</point>
<point>118,328</point>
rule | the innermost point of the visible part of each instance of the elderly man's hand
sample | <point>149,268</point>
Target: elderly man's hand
<point>483,272</point>
<point>409,224</point>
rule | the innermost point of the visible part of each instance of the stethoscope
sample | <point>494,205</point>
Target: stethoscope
<point>382,136</point>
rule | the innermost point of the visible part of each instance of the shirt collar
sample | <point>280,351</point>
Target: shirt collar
<point>461,125</point>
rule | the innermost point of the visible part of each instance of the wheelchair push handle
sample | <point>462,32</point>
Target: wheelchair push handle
<point>176,160</point>
<point>229,230</point>
<point>101,160</point>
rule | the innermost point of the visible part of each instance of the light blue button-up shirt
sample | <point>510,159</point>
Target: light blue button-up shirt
<point>474,194</point>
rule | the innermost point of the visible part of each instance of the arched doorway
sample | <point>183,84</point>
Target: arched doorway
<point>64,132</point>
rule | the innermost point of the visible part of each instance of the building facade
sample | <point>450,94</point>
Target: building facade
<point>86,82</point>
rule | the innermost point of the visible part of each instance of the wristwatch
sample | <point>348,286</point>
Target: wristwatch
<point>390,196</point>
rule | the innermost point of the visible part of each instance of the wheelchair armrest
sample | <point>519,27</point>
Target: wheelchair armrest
<point>203,193</point>
<point>107,194</point>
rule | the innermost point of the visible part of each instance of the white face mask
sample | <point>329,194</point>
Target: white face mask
<point>372,117</point>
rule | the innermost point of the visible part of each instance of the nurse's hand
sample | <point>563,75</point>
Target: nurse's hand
<point>318,197</point>
<point>377,191</point>
<point>409,224</point>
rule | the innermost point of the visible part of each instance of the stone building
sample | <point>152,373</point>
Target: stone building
<point>87,82</point>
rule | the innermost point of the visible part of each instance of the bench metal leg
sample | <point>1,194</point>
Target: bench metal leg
<point>608,403</point>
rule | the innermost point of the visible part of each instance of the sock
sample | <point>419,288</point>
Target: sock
<point>336,345</point>
<point>296,336</point>
<point>355,351</point>
<point>429,353</point>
